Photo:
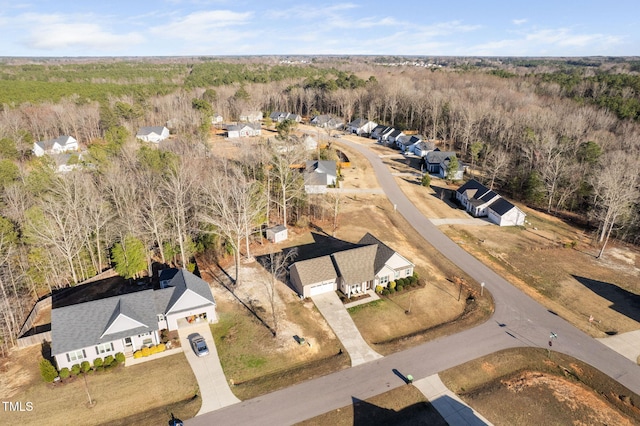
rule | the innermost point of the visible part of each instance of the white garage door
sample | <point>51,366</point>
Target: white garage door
<point>321,288</point>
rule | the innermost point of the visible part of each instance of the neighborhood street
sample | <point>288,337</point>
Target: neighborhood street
<point>518,321</point>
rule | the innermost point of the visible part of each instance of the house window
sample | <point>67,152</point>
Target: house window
<point>147,342</point>
<point>397,275</point>
<point>384,280</point>
<point>407,272</point>
<point>160,317</point>
<point>76,355</point>
<point>104,348</point>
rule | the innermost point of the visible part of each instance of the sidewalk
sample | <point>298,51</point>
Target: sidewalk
<point>214,389</point>
<point>372,296</point>
<point>626,344</point>
<point>333,310</point>
<point>452,408</point>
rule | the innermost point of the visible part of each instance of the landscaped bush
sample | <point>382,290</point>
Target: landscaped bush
<point>426,180</point>
<point>385,292</point>
<point>161,347</point>
<point>145,351</point>
<point>392,290</point>
<point>75,369</point>
<point>413,279</point>
<point>399,288</point>
<point>65,373</point>
<point>120,358</point>
<point>108,360</point>
<point>392,285</point>
<point>48,371</point>
<point>137,354</point>
<point>85,366</point>
<point>98,362</point>
<point>379,289</point>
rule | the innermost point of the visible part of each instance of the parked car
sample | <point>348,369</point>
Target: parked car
<point>199,345</point>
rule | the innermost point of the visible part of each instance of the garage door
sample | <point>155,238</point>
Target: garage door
<point>321,288</point>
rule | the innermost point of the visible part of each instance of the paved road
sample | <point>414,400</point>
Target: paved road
<point>334,311</point>
<point>518,321</point>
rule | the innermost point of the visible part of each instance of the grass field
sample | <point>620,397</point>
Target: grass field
<point>144,394</point>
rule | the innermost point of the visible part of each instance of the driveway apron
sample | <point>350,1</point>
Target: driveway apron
<point>214,389</point>
<point>340,321</point>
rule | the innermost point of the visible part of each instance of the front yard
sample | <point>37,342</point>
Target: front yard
<point>142,394</point>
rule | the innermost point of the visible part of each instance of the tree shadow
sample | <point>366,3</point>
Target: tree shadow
<point>622,301</point>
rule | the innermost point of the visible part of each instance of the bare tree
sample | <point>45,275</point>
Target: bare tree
<point>276,264</point>
<point>616,190</point>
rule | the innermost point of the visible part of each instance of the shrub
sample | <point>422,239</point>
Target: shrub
<point>108,360</point>
<point>161,347</point>
<point>379,289</point>
<point>413,279</point>
<point>426,180</point>
<point>48,371</point>
<point>399,288</point>
<point>392,285</point>
<point>392,290</point>
<point>65,373</point>
<point>75,369</point>
<point>120,358</point>
<point>385,292</point>
<point>85,366</point>
<point>137,354</point>
<point>98,362</point>
<point>145,351</point>
<point>415,275</point>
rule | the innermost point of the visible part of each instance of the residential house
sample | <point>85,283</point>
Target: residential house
<point>217,119</point>
<point>55,146</point>
<point>423,147</point>
<point>476,198</point>
<point>250,116</point>
<point>153,134</point>
<point>503,213</point>
<point>361,126</point>
<point>434,158</point>
<point>128,322</point>
<point>388,265</point>
<point>327,121</point>
<point>353,269</point>
<point>67,162</point>
<point>407,142</point>
<point>243,130</point>
<point>394,135</point>
<point>279,117</point>
<point>277,233</point>
<point>381,133</point>
<point>319,174</point>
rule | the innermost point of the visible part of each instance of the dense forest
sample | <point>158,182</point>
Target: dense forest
<point>559,135</point>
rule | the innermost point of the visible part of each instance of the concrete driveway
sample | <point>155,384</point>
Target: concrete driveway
<point>214,389</point>
<point>340,321</point>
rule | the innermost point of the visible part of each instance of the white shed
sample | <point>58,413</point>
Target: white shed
<point>277,233</point>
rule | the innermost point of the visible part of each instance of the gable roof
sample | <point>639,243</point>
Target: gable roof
<point>383,253</point>
<point>315,270</point>
<point>148,130</point>
<point>60,140</point>
<point>321,166</point>
<point>356,265</point>
<point>501,206</point>
<point>359,122</point>
<point>472,184</point>
<point>437,156</point>
<point>104,320</point>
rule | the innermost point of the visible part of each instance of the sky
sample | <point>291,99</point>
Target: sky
<point>362,27</point>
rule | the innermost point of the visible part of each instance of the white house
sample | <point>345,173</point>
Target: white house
<point>503,213</point>
<point>153,134</point>
<point>422,148</point>
<point>243,130</point>
<point>277,233</point>
<point>476,198</point>
<point>128,322</point>
<point>327,122</point>
<point>319,174</point>
<point>443,169</point>
<point>216,118</point>
<point>250,116</point>
<point>388,264</point>
<point>55,146</point>
<point>361,126</point>
<point>279,117</point>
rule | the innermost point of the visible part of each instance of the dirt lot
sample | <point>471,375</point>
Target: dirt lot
<point>527,386</point>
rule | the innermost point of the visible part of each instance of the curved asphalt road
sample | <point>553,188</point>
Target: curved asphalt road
<point>518,321</point>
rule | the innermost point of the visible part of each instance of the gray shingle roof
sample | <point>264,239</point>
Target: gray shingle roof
<point>83,324</point>
<point>501,206</point>
<point>437,157</point>
<point>145,131</point>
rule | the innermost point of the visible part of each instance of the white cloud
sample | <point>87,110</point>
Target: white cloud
<point>519,21</point>
<point>60,32</point>
<point>201,25</point>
